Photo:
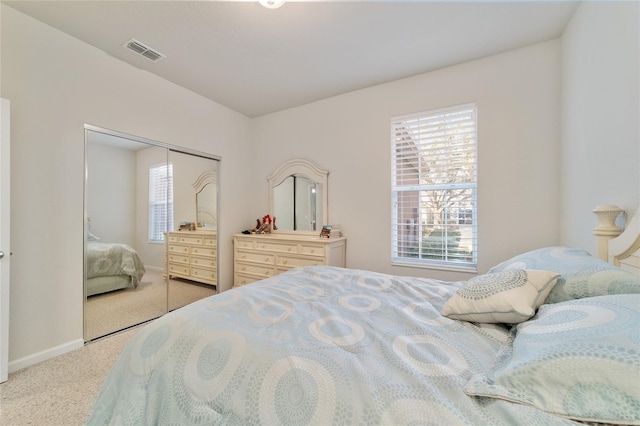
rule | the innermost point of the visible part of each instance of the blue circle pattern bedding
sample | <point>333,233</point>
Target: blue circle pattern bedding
<point>322,345</point>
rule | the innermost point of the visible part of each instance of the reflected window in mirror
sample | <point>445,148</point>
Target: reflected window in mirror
<point>160,201</point>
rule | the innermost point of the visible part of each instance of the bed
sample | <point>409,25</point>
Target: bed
<point>112,266</point>
<point>550,336</point>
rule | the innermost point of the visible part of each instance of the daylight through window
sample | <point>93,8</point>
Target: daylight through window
<point>434,188</point>
<point>160,201</point>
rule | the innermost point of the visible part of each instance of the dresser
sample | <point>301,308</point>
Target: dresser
<point>259,256</point>
<point>192,255</point>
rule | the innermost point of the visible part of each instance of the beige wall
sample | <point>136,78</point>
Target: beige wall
<point>518,99</point>
<point>56,84</point>
<point>600,116</point>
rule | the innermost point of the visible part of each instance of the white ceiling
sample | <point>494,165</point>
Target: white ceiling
<point>257,61</point>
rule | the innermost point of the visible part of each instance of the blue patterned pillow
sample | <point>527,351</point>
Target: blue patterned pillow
<point>581,275</point>
<point>502,297</point>
<point>578,359</point>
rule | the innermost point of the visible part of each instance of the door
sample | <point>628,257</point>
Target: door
<point>4,239</point>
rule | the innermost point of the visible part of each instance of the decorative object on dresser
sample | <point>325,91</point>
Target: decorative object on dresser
<point>331,231</point>
<point>256,257</point>
<point>192,255</point>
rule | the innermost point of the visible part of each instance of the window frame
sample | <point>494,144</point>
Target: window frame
<point>164,224</point>
<point>402,241</point>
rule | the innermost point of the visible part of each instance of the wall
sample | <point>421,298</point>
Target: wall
<point>601,116</point>
<point>518,98</point>
<point>56,84</point>
<point>106,190</point>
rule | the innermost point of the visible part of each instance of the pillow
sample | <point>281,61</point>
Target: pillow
<point>578,359</point>
<point>91,237</point>
<point>581,275</point>
<point>503,297</point>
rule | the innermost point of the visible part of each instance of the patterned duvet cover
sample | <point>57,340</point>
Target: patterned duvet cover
<point>315,345</point>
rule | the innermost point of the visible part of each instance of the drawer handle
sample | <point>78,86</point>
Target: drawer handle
<point>266,259</point>
<point>284,262</point>
<point>243,269</point>
<point>289,249</point>
<point>195,261</point>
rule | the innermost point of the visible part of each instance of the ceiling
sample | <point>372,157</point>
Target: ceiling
<point>257,61</point>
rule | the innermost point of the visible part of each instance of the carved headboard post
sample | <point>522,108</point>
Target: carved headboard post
<point>606,229</point>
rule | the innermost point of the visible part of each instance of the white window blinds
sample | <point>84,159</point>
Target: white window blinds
<point>160,201</point>
<point>434,187</point>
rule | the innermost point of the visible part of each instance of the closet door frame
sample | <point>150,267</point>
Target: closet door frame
<point>92,128</point>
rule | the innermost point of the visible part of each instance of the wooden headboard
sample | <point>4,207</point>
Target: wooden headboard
<point>620,248</point>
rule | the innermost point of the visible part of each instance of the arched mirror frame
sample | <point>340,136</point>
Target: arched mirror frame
<point>202,183</point>
<point>299,166</point>
<point>170,148</point>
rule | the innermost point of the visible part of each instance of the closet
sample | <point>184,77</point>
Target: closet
<point>141,197</point>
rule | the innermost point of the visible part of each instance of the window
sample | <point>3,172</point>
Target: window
<point>160,201</point>
<point>434,188</point>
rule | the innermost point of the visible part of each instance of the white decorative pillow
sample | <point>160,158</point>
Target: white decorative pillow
<point>510,297</point>
<point>578,359</point>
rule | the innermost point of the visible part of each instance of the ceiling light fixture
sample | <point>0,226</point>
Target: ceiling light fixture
<point>271,4</point>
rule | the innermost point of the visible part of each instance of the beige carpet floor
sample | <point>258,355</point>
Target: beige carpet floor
<point>116,310</point>
<point>60,391</point>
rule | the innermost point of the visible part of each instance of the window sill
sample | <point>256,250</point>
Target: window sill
<point>450,268</point>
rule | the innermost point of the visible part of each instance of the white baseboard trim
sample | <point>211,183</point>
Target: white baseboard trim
<point>154,268</point>
<point>36,358</point>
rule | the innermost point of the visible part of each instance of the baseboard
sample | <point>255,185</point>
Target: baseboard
<point>154,268</point>
<point>36,358</point>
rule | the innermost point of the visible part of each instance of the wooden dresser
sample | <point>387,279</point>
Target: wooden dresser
<point>192,255</point>
<point>256,257</point>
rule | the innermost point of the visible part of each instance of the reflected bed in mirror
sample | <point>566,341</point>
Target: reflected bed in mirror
<point>298,196</point>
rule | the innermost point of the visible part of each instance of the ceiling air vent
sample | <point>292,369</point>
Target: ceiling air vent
<point>144,50</point>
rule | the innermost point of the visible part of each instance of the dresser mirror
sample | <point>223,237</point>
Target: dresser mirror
<point>137,193</point>
<point>298,196</point>
<point>206,195</point>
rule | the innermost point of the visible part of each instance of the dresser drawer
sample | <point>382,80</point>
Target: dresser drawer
<point>203,251</point>
<point>178,269</point>
<point>178,258</point>
<point>240,280</point>
<point>312,250</point>
<point>210,241</point>
<point>277,247</point>
<point>207,262</point>
<point>190,239</point>
<point>204,274</point>
<point>241,244</point>
<point>261,271</point>
<point>178,249</point>
<point>292,262</point>
<point>253,257</point>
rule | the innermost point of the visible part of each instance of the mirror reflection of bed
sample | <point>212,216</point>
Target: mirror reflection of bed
<point>138,191</point>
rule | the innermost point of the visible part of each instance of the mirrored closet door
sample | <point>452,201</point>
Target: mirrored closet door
<point>150,229</point>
